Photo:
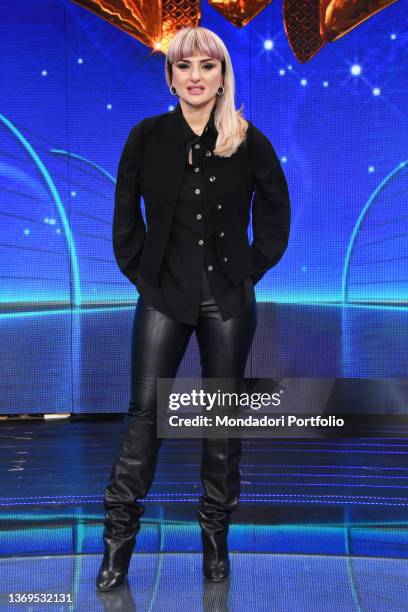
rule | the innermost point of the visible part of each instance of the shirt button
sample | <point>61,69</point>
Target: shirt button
<point>221,234</point>
<point>212,178</point>
<point>219,206</point>
<point>209,268</point>
<point>199,216</point>
<point>196,146</point>
<point>201,242</point>
<point>197,169</point>
<point>208,153</point>
<point>197,191</point>
<point>225,258</point>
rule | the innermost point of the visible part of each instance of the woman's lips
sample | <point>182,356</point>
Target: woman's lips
<point>195,90</point>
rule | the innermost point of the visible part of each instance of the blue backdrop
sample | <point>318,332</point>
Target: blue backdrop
<point>72,88</point>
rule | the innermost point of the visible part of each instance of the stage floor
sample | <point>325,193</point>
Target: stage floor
<point>173,582</point>
<point>322,523</point>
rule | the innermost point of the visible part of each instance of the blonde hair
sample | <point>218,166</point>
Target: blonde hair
<point>229,122</point>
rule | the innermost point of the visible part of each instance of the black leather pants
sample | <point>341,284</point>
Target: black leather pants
<point>158,346</point>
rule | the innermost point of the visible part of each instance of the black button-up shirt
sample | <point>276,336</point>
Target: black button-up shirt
<point>192,239</point>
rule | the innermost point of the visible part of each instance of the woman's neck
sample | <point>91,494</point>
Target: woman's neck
<point>197,118</point>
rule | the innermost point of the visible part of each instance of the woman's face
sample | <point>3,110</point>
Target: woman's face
<point>197,79</point>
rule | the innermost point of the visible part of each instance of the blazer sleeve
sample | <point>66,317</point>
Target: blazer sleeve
<point>128,229</point>
<point>270,205</point>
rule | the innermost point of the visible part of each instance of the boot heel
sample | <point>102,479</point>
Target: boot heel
<point>115,564</point>
<point>216,563</point>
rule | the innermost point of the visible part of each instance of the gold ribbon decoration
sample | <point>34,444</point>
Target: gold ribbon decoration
<point>151,22</point>
<point>308,25</point>
<point>239,12</point>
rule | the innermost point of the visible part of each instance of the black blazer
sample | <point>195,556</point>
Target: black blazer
<point>152,165</point>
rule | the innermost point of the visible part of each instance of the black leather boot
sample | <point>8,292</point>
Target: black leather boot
<point>216,563</point>
<point>130,479</point>
<point>221,480</point>
<point>115,564</point>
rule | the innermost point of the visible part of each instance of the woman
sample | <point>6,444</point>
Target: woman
<point>196,168</point>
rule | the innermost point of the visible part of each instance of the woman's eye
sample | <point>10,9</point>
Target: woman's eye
<point>206,66</point>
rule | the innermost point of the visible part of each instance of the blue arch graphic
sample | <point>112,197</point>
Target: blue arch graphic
<point>77,299</point>
<point>346,267</point>
<point>87,161</point>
